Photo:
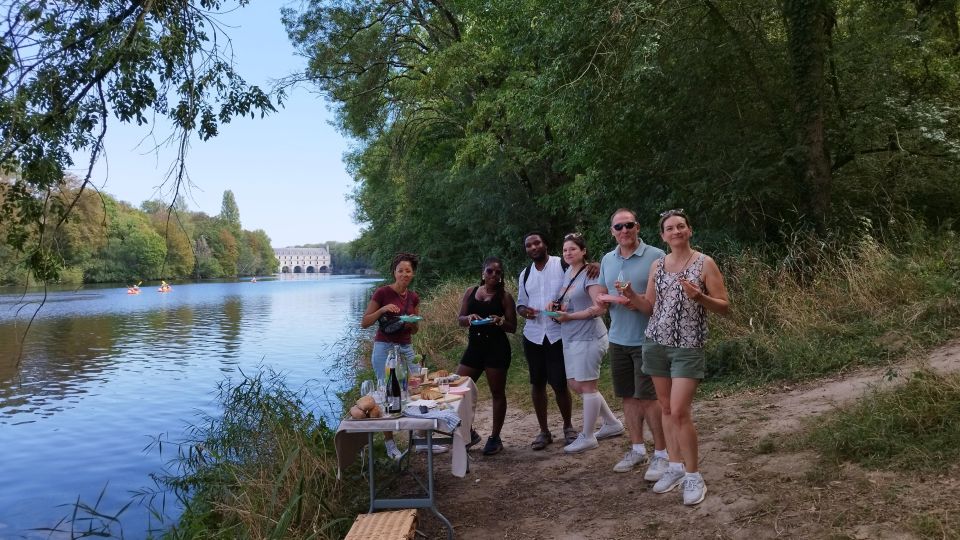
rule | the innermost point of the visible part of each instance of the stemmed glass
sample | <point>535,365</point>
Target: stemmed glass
<point>620,284</point>
<point>366,388</point>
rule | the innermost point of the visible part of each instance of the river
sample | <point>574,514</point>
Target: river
<point>104,373</point>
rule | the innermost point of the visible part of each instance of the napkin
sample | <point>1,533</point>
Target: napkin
<point>447,417</point>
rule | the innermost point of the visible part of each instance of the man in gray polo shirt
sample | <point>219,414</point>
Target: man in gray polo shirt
<point>630,263</point>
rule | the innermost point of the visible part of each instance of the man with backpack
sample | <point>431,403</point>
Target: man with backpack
<point>539,286</point>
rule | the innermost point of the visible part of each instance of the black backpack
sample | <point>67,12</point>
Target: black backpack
<point>526,274</point>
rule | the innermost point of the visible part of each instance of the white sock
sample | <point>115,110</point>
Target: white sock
<point>676,466</point>
<point>640,449</point>
<point>660,454</point>
<point>606,413</point>
<point>390,444</point>
<point>591,407</point>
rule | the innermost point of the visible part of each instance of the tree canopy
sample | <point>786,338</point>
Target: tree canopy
<point>476,121</point>
<point>67,69</point>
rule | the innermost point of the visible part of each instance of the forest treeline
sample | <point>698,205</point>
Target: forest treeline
<point>106,240</point>
<point>767,121</point>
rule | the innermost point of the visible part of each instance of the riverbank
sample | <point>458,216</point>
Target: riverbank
<point>765,477</point>
<point>860,316</point>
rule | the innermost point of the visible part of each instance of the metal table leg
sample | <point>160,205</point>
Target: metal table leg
<point>392,504</point>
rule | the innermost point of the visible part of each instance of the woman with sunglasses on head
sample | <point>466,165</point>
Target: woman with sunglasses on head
<point>393,299</point>
<point>584,339</point>
<point>490,312</point>
<point>682,287</point>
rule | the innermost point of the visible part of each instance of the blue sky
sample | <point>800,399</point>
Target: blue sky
<point>286,170</point>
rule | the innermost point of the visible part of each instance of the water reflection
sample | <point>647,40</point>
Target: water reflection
<point>102,372</point>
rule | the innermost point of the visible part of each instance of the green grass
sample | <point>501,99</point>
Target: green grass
<point>266,468</point>
<point>912,426</point>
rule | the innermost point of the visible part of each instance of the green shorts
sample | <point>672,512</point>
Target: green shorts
<point>674,362</point>
<point>628,380</point>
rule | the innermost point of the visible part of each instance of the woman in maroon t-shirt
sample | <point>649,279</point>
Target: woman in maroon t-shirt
<point>397,299</point>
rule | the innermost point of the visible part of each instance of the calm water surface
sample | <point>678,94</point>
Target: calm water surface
<point>105,373</point>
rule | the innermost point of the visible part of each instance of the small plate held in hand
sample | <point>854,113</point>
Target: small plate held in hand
<point>481,322</point>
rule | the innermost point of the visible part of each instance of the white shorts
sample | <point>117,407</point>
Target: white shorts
<point>581,359</point>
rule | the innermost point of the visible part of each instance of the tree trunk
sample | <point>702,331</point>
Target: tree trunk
<point>809,25</point>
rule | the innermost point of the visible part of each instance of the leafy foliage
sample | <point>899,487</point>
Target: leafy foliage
<point>478,121</point>
<point>66,68</point>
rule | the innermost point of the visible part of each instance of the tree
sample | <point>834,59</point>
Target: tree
<point>68,67</point>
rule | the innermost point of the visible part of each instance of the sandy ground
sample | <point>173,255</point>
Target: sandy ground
<point>752,493</point>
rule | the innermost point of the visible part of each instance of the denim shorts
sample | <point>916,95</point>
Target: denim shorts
<point>379,357</point>
<point>674,362</point>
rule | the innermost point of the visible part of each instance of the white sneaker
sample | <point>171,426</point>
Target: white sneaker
<point>581,444</point>
<point>658,466</point>
<point>609,430</point>
<point>630,460</point>
<point>694,490</point>
<point>437,448</point>
<point>668,481</point>
<point>394,453</point>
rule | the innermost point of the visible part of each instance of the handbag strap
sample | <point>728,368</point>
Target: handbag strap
<point>574,278</point>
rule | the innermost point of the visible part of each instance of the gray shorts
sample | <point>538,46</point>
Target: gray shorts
<point>629,381</point>
<point>581,359</point>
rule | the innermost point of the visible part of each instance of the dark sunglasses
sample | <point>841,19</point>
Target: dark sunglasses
<point>493,271</point>
<point>628,225</point>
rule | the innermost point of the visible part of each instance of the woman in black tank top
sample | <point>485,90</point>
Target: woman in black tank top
<point>489,311</point>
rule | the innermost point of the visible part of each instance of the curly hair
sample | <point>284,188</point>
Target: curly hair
<point>404,256</point>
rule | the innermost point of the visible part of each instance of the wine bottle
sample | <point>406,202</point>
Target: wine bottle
<point>393,384</point>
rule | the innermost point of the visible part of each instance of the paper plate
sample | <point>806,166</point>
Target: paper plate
<point>613,299</point>
<point>459,389</point>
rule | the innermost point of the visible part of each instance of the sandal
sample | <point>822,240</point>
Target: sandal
<point>570,434</point>
<point>543,439</point>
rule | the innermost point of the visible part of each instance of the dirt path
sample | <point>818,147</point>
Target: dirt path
<point>758,488</point>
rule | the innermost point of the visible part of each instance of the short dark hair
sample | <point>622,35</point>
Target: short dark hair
<point>536,233</point>
<point>404,256</point>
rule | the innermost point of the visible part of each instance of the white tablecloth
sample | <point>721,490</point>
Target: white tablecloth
<point>351,434</point>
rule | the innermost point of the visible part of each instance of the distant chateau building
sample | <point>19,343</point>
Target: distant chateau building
<point>303,260</point>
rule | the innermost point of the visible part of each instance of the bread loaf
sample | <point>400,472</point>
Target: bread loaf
<point>366,403</point>
<point>431,393</point>
<point>357,413</point>
<point>375,412</point>
<point>438,373</point>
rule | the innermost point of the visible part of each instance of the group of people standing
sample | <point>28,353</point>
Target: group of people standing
<point>657,303</point>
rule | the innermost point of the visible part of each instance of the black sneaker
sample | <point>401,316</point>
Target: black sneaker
<point>474,439</point>
<point>494,446</point>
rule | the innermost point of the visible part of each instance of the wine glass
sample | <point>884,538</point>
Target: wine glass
<point>380,394</point>
<point>620,283</point>
<point>366,388</point>
<point>444,386</point>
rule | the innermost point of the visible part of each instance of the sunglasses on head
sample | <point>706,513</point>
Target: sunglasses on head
<point>572,236</point>
<point>628,225</point>
<point>674,212</point>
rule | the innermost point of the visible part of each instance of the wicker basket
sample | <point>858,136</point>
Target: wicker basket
<point>395,525</point>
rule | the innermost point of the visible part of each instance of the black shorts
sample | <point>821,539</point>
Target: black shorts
<point>546,363</point>
<point>487,351</point>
